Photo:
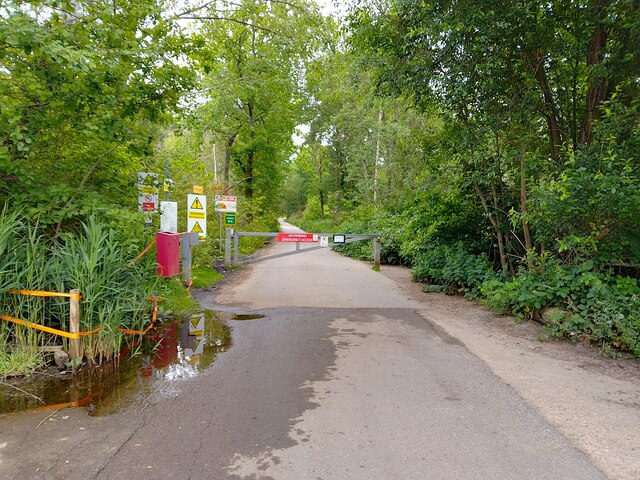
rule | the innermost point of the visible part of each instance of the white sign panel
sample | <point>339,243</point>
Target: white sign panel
<point>169,217</point>
<point>195,340</point>
<point>226,203</point>
<point>197,215</point>
<point>324,241</point>
<point>148,192</point>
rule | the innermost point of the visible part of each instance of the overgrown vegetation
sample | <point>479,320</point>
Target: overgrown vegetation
<point>494,145</point>
<point>114,289</point>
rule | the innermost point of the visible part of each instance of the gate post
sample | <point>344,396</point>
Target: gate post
<point>377,247</point>
<point>236,248</point>
<point>227,247</point>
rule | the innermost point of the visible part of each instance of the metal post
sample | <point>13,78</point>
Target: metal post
<point>188,240</point>
<point>220,223</point>
<point>377,246</point>
<point>74,324</point>
<point>227,247</point>
<point>297,246</point>
<point>236,245</point>
<point>166,178</point>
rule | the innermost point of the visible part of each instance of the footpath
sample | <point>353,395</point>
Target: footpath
<point>592,399</point>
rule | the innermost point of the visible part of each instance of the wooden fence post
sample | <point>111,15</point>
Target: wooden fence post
<point>74,324</point>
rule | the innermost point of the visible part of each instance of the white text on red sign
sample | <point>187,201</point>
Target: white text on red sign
<point>297,237</point>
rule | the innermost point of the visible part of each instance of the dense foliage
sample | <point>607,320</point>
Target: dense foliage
<point>499,150</point>
<point>115,289</point>
<point>493,144</point>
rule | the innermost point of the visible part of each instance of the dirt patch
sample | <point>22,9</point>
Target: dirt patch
<point>592,399</point>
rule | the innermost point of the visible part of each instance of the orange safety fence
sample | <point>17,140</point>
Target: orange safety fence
<point>53,331</point>
<point>58,406</point>
<point>75,335</point>
<point>38,293</point>
<point>142,253</point>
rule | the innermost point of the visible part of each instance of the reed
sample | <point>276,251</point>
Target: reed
<point>92,260</point>
<point>22,265</point>
<point>114,292</point>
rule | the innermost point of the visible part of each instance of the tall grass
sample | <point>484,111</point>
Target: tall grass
<point>9,233</point>
<point>114,290</point>
<point>22,265</point>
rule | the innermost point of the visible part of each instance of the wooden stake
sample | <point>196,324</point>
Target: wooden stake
<point>74,324</point>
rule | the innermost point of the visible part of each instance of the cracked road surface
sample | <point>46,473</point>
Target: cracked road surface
<point>343,378</point>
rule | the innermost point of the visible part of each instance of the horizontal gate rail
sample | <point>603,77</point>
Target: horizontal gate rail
<point>348,238</point>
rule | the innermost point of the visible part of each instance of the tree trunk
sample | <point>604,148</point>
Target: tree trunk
<point>498,228</point>
<point>231,138</point>
<point>322,202</point>
<point>549,106</point>
<point>248,164</point>
<point>377,158</point>
<point>495,223</point>
<point>528,242</point>
<point>597,89</point>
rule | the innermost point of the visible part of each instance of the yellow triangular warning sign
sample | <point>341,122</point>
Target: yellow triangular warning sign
<point>195,321</point>
<point>196,205</point>
<point>148,180</point>
<point>197,344</point>
<point>197,228</point>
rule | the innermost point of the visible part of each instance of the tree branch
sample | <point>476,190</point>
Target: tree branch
<point>248,24</point>
<point>84,180</point>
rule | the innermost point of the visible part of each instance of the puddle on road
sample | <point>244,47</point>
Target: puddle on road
<point>177,349</point>
<point>248,316</point>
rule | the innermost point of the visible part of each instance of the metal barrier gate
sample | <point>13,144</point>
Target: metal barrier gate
<point>232,238</point>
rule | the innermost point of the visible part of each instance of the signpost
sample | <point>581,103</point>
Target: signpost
<point>197,215</point>
<point>297,237</point>
<point>226,203</point>
<point>229,218</point>
<point>227,206</point>
<point>148,194</point>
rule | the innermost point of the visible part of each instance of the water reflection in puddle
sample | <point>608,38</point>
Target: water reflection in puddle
<point>176,350</point>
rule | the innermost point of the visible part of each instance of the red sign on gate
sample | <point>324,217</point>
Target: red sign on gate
<point>297,237</point>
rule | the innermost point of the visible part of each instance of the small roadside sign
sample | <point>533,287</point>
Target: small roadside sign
<point>229,218</point>
<point>169,217</point>
<point>226,203</point>
<point>198,189</point>
<point>148,192</point>
<point>197,215</point>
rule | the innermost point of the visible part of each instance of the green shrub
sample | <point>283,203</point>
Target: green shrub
<point>602,308</point>
<point>453,267</point>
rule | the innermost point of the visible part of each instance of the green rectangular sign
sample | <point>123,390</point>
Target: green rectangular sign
<point>229,218</point>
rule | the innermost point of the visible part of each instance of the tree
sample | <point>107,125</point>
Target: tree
<point>252,64</point>
<point>82,88</point>
<point>503,71</point>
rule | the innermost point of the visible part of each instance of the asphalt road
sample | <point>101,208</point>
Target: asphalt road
<point>341,379</point>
